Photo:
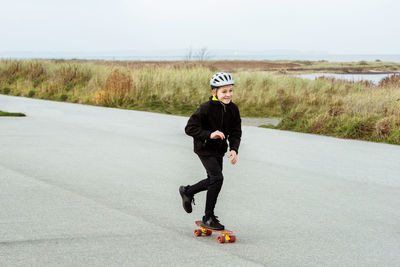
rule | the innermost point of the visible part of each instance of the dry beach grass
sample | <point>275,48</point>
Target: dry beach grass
<point>356,110</point>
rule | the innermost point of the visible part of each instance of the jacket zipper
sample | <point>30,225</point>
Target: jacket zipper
<point>222,120</point>
<point>222,124</point>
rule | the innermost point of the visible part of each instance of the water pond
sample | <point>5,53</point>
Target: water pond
<point>374,78</point>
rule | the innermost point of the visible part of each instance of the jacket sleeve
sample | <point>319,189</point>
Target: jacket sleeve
<point>194,126</point>
<point>236,132</point>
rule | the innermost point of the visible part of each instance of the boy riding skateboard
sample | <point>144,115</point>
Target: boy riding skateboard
<point>211,125</point>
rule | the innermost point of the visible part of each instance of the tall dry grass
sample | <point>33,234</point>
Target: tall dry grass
<point>333,107</point>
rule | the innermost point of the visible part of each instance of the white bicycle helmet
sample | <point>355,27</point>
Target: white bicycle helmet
<point>220,79</point>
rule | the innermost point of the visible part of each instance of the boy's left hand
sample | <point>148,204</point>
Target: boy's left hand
<point>234,157</point>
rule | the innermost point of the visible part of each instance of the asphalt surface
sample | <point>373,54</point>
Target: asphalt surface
<point>92,186</point>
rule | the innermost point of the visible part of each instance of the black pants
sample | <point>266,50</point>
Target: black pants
<point>212,183</point>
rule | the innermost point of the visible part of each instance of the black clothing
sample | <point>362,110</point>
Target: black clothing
<point>212,222</point>
<point>209,117</point>
<point>212,183</point>
<point>186,200</point>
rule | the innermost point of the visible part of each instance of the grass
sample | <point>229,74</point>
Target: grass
<point>10,114</point>
<point>355,110</point>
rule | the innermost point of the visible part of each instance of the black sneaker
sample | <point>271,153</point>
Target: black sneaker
<point>212,223</point>
<point>186,200</point>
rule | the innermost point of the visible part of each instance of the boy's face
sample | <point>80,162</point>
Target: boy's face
<point>224,93</point>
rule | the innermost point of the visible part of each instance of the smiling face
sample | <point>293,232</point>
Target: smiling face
<point>224,93</point>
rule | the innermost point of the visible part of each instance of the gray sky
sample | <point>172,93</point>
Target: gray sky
<point>340,26</point>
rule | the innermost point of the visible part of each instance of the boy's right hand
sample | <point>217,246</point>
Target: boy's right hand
<point>217,134</point>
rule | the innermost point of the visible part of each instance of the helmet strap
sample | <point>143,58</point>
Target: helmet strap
<point>214,93</point>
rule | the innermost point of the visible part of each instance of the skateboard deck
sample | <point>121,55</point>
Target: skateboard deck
<point>226,235</point>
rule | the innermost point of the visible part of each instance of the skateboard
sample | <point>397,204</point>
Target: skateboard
<point>227,235</point>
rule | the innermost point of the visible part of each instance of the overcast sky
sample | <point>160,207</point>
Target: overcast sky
<point>339,26</point>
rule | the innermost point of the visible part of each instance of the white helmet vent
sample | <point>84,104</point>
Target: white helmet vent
<point>221,79</point>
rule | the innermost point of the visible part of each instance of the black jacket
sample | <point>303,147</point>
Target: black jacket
<point>212,116</point>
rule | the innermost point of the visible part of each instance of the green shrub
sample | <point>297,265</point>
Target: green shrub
<point>357,128</point>
<point>6,90</point>
<point>63,97</point>
<point>31,93</point>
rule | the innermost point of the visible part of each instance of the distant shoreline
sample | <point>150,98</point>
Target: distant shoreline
<point>211,57</point>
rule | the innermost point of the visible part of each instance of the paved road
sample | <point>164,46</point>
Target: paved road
<point>92,186</point>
